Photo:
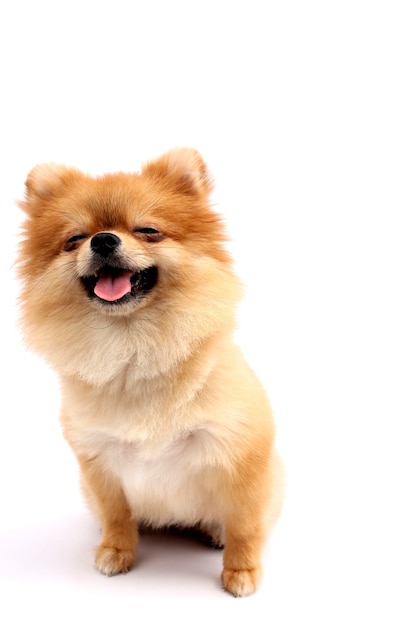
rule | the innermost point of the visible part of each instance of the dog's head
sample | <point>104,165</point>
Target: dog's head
<point>115,239</point>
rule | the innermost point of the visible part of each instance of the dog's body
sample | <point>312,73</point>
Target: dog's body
<point>130,295</point>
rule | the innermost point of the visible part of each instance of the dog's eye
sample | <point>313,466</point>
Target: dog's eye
<point>71,243</point>
<point>149,234</point>
<point>76,238</point>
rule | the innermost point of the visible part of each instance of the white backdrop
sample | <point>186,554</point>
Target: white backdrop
<point>306,114</point>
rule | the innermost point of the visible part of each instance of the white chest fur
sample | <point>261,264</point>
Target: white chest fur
<point>168,481</point>
<point>168,441</point>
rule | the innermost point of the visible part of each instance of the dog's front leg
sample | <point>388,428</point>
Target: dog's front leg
<point>117,550</point>
<point>242,559</point>
<point>248,505</point>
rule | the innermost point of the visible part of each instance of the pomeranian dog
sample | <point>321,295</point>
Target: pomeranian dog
<point>130,295</point>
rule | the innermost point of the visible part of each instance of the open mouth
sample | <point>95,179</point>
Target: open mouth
<point>117,285</point>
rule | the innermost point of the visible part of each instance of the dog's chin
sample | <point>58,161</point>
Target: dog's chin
<point>118,288</point>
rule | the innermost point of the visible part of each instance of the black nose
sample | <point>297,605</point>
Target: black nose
<point>105,243</point>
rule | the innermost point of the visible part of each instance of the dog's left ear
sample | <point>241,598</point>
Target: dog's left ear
<point>183,168</point>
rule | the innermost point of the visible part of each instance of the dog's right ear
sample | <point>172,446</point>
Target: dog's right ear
<point>46,182</point>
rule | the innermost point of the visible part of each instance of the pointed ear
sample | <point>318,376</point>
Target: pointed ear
<point>45,180</point>
<point>183,168</point>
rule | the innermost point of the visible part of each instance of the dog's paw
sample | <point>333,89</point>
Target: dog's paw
<point>240,582</point>
<point>110,561</point>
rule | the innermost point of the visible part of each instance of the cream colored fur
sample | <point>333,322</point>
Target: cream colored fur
<point>168,422</point>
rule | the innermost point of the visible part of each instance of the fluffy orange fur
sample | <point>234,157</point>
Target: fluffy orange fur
<point>169,424</point>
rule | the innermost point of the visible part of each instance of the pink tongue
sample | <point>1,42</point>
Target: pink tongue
<point>111,287</point>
